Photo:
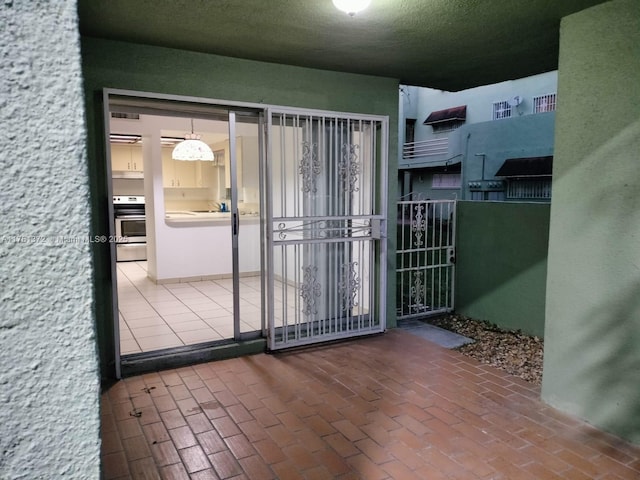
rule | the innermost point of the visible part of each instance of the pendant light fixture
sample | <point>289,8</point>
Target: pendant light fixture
<point>351,7</point>
<point>192,148</point>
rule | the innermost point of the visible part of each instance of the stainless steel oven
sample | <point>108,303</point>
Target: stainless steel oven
<point>130,228</point>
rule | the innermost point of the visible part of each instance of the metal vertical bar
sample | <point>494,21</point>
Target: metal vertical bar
<point>283,158</point>
<point>447,268</point>
<point>454,205</point>
<point>383,211</point>
<point>268,215</point>
<point>335,161</point>
<point>264,156</point>
<point>400,260</point>
<point>433,252</point>
<point>360,286</point>
<point>440,262</point>
<point>363,187</point>
<point>297,300</point>
<point>373,315</point>
<point>233,173</point>
<point>285,288</point>
<point>411,267</point>
<point>295,141</point>
<point>407,259</point>
<point>450,244</point>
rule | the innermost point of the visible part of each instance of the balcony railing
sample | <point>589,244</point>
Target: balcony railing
<point>425,148</point>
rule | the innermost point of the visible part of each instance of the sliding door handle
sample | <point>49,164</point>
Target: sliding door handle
<point>235,223</point>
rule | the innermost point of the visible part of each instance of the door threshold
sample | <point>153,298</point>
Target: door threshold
<point>167,358</point>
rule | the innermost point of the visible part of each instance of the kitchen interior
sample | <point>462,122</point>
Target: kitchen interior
<point>173,221</point>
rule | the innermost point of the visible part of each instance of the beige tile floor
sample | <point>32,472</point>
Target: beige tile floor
<point>155,316</point>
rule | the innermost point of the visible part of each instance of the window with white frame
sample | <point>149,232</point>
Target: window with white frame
<point>446,180</point>
<point>501,109</point>
<point>544,103</point>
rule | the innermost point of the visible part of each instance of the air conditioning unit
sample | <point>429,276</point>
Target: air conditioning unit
<point>515,101</point>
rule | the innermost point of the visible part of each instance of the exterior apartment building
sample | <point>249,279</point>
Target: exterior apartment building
<point>493,142</point>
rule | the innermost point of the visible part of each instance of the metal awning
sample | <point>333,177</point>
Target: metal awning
<point>454,114</point>
<point>526,167</point>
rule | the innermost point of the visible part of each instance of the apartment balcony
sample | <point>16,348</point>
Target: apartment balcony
<point>425,152</point>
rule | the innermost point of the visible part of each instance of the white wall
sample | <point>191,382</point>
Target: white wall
<point>49,383</point>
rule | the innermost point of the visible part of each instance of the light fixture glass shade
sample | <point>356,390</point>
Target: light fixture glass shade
<point>192,149</point>
<point>351,7</point>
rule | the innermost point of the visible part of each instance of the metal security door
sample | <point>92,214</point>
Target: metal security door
<point>425,257</point>
<point>326,211</point>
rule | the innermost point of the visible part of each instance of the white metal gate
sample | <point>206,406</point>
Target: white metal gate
<point>326,210</point>
<point>425,257</point>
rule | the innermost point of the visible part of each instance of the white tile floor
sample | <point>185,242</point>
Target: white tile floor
<point>154,316</point>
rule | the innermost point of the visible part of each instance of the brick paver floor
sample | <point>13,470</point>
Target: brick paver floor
<point>393,406</point>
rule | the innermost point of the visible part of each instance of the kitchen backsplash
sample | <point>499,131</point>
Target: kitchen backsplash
<point>128,186</point>
<point>192,205</point>
<point>201,199</point>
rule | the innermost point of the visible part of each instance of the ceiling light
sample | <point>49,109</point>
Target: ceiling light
<point>351,7</point>
<point>124,138</point>
<point>192,148</point>
<point>170,141</point>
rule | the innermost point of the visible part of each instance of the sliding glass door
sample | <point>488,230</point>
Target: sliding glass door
<point>197,282</point>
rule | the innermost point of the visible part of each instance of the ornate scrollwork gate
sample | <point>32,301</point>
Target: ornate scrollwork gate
<point>425,257</point>
<point>326,203</point>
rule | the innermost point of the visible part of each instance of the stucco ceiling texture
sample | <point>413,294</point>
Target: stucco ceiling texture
<point>445,44</point>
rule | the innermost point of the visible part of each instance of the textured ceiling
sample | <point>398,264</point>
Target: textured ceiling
<point>445,44</point>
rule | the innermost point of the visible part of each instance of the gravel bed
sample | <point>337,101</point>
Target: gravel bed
<point>512,351</point>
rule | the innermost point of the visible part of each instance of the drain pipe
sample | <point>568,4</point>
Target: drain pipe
<point>463,187</point>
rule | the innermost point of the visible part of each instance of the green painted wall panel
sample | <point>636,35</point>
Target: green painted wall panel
<point>592,348</point>
<point>501,263</point>
<point>111,64</point>
<point>498,140</point>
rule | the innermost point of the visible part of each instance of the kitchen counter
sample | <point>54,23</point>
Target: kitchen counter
<point>200,245</point>
<point>201,219</point>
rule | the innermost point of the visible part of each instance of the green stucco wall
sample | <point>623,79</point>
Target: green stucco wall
<point>498,140</point>
<point>49,382</point>
<point>501,263</point>
<point>592,348</point>
<point>109,64</point>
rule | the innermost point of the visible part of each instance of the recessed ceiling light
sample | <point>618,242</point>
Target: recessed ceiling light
<point>351,7</point>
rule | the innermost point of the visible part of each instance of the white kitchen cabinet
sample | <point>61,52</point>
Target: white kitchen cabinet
<point>206,174</point>
<point>177,173</point>
<point>180,174</point>
<point>168,169</point>
<point>126,158</point>
<point>247,166</point>
<point>185,173</point>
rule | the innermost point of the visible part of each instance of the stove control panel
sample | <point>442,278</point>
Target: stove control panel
<point>128,200</point>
